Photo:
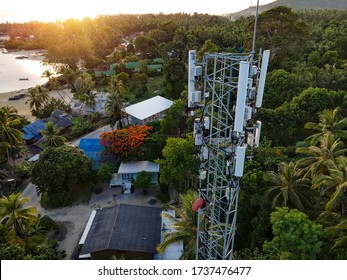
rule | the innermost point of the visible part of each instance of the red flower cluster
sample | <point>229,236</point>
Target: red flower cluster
<point>125,141</point>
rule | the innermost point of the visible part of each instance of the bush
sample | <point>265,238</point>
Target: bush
<point>24,169</point>
<point>81,126</point>
<point>46,222</point>
<point>97,189</point>
<point>105,172</point>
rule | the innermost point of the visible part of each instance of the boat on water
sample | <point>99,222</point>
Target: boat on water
<point>3,50</point>
<point>22,56</point>
<point>24,79</point>
<point>16,97</point>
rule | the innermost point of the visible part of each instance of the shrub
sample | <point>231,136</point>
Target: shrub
<point>97,189</point>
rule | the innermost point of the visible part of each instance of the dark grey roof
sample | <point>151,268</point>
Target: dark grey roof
<point>57,113</point>
<point>64,122</point>
<point>126,228</point>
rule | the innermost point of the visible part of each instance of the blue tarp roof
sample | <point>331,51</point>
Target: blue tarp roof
<point>32,130</point>
<point>92,149</point>
<point>90,144</point>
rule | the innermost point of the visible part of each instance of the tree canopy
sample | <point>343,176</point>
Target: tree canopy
<point>59,171</point>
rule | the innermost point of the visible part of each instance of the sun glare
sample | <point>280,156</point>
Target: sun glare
<point>42,10</point>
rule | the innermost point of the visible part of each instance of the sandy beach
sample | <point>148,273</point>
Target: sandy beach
<point>32,55</point>
<point>23,109</point>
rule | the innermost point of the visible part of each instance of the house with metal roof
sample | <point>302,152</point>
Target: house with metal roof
<point>105,70</point>
<point>149,110</point>
<point>123,230</point>
<point>31,132</point>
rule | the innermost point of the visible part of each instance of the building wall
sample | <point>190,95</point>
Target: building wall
<point>132,177</point>
<point>157,116</point>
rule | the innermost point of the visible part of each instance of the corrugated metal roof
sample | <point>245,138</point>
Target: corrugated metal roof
<point>124,227</point>
<point>138,166</point>
<point>149,107</point>
<point>32,130</point>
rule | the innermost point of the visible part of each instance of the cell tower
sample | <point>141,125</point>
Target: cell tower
<point>225,134</point>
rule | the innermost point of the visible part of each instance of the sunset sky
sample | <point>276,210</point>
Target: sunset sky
<point>48,10</point>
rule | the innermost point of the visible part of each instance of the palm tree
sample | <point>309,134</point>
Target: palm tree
<point>11,112</point>
<point>114,109</point>
<point>68,73</point>
<point>288,187</point>
<point>47,74</point>
<point>340,231</point>
<point>89,99</point>
<point>336,181</point>
<point>114,104</point>
<point>10,137</point>
<point>117,86</point>
<point>83,83</point>
<point>184,227</point>
<point>53,83</point>
<point>19,217</point>
<point>52,137</point>
<point>38,96</point>
<point>317,157</point>
<point>329,121</point>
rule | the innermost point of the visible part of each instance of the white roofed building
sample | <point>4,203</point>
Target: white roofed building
<point>148,110</point>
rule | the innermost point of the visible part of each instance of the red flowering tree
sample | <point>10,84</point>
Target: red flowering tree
<point>127,141</point>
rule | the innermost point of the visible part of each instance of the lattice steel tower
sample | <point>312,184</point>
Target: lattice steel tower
<point>224,92</point>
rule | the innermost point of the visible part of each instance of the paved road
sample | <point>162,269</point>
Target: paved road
<point>93,134</point>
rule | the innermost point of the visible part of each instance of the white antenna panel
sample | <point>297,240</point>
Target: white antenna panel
<point>254,70</point>
<point>248,112</point>
<point>191,78</point>
<point>241,96</point>
<point>203,174</point>
<point>206,122</point>
<point>250,139</point>
<point>257,133</point>
<point>228,167</point>
<point>261,85</point>
<point>198,139</point>
<point>194,96</point>
<point>197,71</point>
<point>205,153</point>
<point>197,126</point>
<point>250,83</point>
<point>240,160</point>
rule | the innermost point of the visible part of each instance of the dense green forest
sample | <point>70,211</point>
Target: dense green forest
<point>293,193</point>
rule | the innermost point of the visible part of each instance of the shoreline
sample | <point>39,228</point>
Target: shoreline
<point>23,109</point>
<point>36,54</point>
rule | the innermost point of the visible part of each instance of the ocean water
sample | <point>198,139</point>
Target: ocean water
<point>12,69</point>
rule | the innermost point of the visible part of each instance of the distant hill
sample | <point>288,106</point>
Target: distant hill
<point>295,5</point>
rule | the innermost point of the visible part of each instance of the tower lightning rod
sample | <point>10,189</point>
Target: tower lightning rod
<point>255,31</point>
